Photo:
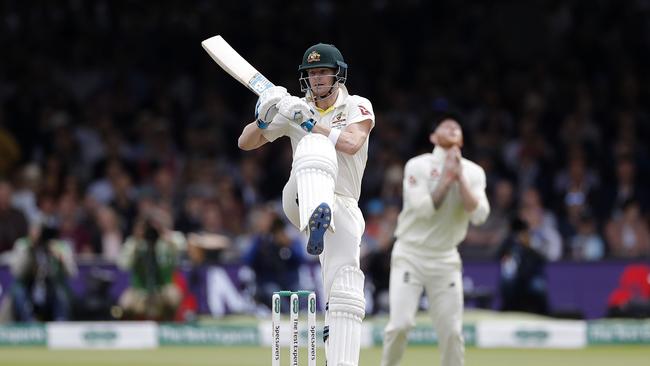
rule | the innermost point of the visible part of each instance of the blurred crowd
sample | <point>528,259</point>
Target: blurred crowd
<point>110,111</point>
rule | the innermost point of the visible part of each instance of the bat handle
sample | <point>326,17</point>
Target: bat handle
<point>259,83</point>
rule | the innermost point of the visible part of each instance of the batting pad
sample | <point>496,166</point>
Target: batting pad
<point>315,167</point>
<point>346,311</point>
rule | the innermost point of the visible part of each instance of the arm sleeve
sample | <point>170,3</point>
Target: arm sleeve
<point>361,110</point>
<point>417,198</point>
<point>482,210</point>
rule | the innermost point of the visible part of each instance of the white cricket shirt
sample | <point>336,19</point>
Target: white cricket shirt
<point>425,231</point>
<point>346,110</point>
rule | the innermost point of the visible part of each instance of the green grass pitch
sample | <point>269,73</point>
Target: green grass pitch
<point>256,356</point>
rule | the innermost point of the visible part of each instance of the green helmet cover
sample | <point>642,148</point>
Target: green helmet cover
<point>322,55</point>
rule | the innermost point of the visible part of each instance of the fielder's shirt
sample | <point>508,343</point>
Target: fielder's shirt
<point>433,233</point>
<point>347,109</point>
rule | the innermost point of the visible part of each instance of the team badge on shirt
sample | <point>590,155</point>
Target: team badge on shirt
<point>339,120</point>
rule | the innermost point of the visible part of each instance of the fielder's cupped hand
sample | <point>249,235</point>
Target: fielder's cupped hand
<point>295,109</point>
<point>452,167</point>
<point>266,107</point>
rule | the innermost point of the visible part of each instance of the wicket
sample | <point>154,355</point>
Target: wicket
<point>294,311</point>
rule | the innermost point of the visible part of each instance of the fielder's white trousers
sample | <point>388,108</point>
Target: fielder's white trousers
<point>444,290</point>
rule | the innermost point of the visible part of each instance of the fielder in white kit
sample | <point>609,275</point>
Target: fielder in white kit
<point>329,132</point>
<point>443,192</point>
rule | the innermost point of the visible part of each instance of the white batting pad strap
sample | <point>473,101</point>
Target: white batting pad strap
<point>315,167</point>
<point>346,311</point>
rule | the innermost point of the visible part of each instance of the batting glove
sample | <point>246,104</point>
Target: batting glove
<point>266,109</point>
<point>297,110</point>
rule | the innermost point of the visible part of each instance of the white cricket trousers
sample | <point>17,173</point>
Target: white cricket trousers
<point>343,246</point>
<point>444,290</point>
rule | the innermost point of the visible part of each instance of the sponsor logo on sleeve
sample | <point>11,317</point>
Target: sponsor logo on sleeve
<point>412,180</point>
<point>364,111</point>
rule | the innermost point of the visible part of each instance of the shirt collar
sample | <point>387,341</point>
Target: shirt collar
<point>340,100</point>
<point>439,153</point>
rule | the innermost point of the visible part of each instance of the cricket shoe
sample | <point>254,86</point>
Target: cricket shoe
<point>319,221</point>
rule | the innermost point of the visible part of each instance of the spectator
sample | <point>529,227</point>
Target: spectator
<point>229,201</point>
<point>586,244</point>
<point>373,215</point>
<point>150,255</point>
<point>542,227</point>
<point>526,155</point>
<point>189,218</point>
<point>212,221</point>
<point>12,222</point>
<point>102,190</point>
<point>483,241</point>
<point>249,181</point>
<point>54,170</point>
<point>25,196</point>
<point>376,266</point>
<point>124,203</point>
<point>163,187</point>
<point>376,262</point>
<point>574,189</point>
<point>624,188</point>
<point>72,228</point>
<point>110,239</point>
<point>628,234</point>
<point>42,265</point>
<point>631,129</point>
<point>522,279</point>
<point>48,210</point>
<point>393,177</point>
<point>275,258</point>
<point>579,125</point>
<point>9,148</point>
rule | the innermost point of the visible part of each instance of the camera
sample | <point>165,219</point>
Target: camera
<point>151,233</point>
<point>47,233</point>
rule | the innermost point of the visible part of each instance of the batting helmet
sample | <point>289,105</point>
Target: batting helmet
<point>323,55</point>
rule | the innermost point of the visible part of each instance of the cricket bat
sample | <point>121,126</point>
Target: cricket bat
<point>235,65</point>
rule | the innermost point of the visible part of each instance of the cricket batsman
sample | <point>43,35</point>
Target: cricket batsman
<point>329,130</point>
<point>443,192</point>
